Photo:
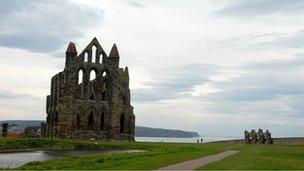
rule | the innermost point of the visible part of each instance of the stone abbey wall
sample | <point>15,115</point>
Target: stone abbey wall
<point>90,98</point>
<point>275,141</point>
<point>289,141</point>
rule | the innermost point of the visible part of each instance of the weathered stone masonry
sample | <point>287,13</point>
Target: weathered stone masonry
<point>91,97</point>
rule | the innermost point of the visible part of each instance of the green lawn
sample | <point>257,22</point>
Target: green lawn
<point>262,157</point>
<point>157,155</point>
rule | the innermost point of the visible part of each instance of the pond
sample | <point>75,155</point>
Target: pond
<point>16,159</point>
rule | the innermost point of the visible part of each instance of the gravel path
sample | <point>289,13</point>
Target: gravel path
<point>193,164</point>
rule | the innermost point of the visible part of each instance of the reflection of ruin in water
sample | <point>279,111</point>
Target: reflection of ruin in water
<point>17,159</point>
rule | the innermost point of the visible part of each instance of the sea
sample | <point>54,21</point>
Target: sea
<point>185,140</point>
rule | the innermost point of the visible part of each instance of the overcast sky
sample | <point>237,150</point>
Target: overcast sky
<point>215,67</point>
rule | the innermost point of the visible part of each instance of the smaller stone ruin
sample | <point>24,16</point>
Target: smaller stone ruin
<point>34,131</point>
<point>4,129</point>
<point>30,132</point>
<point>259,137</point>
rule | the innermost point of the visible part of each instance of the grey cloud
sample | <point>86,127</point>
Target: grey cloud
<point>241,94</point>
<point>272,88</point>
<point>6,95</point>
<point>136,4</point>
<point>276,65</point>
<point>292,40</point>
<point>8,6</point>
<point>21,105</point>
<point>241,8</point>
<point>277,77</point>
<point>44,26</point>
<point>168,83</point>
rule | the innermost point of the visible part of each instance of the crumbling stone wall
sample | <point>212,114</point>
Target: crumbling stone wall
<point>90,98</point>
<point>4,129</point>
<point>31,132</point>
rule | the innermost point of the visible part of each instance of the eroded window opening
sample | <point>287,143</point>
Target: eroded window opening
<point>104,74</point>
<point>90,121</point>
<point>102,120</point>
<point>94,50</point>
<point>92,96</point>
<point>80,77</point>
<point>86,57</point>
<point>78,121</point>
<point>122,122</point>
<point>56,119</point>
<point>103,95</point>
<point>92,75</point>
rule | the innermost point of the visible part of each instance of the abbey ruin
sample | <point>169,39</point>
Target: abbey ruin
<point>90,98</point>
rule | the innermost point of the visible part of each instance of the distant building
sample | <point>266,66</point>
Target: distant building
<point>90,98</point>
<point>4,129</point>
<point>31,132</point>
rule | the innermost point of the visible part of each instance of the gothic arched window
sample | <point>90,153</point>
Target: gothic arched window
<point>80,76</point>
<point>94,50</point>
<point>102,119</point>
<point>86,57</point>
<point>90,121</point>
<point>92,75</point>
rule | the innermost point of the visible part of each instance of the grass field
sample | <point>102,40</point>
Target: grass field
<point>157,155</point>
<point>262,157</point>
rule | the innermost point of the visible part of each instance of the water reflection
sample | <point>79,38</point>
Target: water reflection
<point>16,159</point>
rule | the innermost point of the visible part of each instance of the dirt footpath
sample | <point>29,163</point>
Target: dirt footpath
<point>194,164</point>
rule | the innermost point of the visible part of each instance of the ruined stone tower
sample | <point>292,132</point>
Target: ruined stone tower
<point>91,97</point>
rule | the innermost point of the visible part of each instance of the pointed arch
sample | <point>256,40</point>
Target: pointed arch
<point>80,76</point>
<point>94,54</point>
<point>122,123</point>
<point>90,121</point>
<point>86,57</point>
<point>92,75</point>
